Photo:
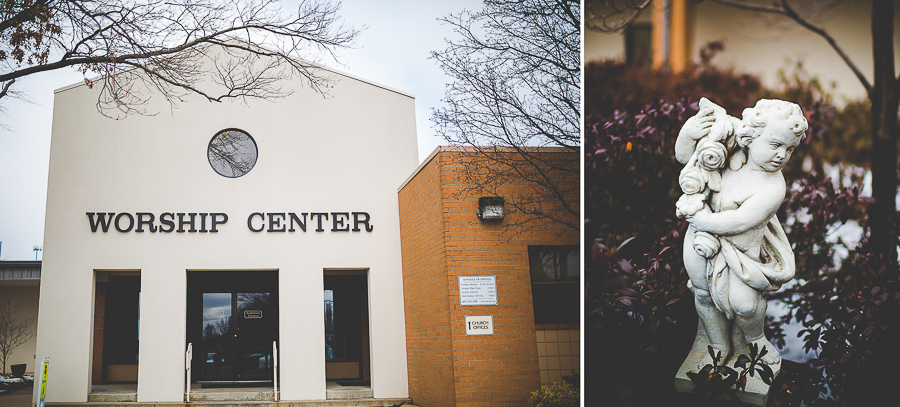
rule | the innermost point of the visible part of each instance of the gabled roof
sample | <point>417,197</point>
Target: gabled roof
<point>320,66</point>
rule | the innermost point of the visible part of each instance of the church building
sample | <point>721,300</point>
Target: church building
<point>291,247</point>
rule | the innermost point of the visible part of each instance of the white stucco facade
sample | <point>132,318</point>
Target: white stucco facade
<point>342,153</point>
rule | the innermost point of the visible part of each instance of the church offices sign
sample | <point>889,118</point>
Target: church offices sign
<point>210,222</point>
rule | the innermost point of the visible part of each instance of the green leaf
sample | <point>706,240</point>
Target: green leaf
<point>705,371</point>
<point>730,379</point>
<point>741,361</point>
<point>742,384</point>
<point>766,373</point>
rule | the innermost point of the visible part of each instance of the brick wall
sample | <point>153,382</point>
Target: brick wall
<point>428,342</point>
<point>497,370</point>
<point>99,318</point>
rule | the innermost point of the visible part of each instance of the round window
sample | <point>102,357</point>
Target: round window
<point>232,153</point>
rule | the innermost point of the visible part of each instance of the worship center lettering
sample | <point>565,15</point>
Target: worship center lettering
<point>204,222</point>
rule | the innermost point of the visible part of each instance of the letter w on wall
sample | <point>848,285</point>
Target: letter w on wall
<point>100,220</point>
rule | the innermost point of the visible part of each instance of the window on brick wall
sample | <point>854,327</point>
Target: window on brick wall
<point>555,281</point>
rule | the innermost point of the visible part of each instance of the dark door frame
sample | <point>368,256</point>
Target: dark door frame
<point>224,281</point>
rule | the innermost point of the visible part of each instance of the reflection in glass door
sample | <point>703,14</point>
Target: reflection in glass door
<point>329,324</point>
<point>252,337</point>
<point>237,334</point>
<point>217,336</point>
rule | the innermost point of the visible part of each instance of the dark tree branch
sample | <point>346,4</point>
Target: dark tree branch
<point>786,10</point>
<point>6,86</point>
<point>516,87</point>
<point>23,15</point>
<point>164,45</point>
<point>625,11</point>
<point>14,332</point>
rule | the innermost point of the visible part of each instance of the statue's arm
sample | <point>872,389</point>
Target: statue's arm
<point>753,213</point>
<point>694,129</point>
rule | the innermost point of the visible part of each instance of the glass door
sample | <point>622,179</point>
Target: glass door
<point>232,320</point>
<point>217,347</point>
<point>253,336</point>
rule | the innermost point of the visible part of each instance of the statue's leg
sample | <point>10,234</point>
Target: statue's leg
<point>718,327</point>
<point>713,321</point>
<point>750,314</point>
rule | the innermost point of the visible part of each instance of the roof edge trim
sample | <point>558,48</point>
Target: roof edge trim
<point>470,149</point>
<point>317,65</point>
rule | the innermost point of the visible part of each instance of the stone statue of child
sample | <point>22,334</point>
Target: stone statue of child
<point>735,248</point>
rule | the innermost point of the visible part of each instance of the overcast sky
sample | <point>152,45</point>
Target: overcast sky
<point>392,51</point>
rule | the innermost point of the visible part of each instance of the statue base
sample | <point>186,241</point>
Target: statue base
<point>757,392</point>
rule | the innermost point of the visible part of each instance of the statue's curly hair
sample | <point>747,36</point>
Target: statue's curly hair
<point>756,118</point>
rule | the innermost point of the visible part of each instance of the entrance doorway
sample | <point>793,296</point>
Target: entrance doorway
<point>346,327</point>
<point>117,305</point>
<point>232,321</point>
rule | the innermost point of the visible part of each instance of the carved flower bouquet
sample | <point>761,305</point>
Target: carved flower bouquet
<point>703,171</point>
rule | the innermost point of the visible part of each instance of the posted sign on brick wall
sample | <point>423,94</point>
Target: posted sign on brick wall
<point>479,324</point>
<point>477,290</point>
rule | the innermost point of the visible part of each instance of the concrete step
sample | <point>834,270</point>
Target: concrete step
<point>349,393</point>
<point>233,396</point>
<point>294,403</point>
<point>112,397</point>
<point>336,396</point>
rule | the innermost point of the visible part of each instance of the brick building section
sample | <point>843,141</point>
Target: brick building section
<point>99,319</point>
<point>442,239</point>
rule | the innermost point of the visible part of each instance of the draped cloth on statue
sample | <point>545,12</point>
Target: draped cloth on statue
<point>731,266</point>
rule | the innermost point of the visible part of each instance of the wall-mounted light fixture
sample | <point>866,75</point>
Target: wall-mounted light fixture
<point>490,208</point>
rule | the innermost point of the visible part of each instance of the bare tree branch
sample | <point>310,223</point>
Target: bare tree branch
<point>786,10</point>
<point>6,87</point>
<point>625,12</point>
<point>516,87</point>
<point>164,45</point>
<point>14,332</point>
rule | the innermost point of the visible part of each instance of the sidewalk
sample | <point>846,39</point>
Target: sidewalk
<point>18,398</point>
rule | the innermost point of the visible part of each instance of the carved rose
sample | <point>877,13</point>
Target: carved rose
<point>692,181</point>
<point>689,205</point>
<point>705,244</point>
<point>712,156</point>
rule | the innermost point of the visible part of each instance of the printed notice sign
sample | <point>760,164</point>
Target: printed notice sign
<point>477,290</point>
<point>479,324</point>
<point>45,367</point>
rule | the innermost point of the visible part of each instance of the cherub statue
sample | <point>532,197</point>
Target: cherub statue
<point>735,248</point>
